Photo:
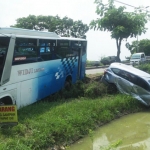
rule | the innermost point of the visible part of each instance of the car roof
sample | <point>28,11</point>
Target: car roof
<point>137,53</point>
<point>130,69</point>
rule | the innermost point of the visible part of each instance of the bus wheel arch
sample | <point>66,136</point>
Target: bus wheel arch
<point>68,82</point>
<point>6,101</point>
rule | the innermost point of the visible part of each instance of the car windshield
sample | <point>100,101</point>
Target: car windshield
<point>135,56</point>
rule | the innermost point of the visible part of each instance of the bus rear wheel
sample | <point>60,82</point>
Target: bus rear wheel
<point>67,85</point>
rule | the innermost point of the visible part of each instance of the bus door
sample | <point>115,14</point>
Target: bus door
<point>77,52</point>
<point>6,56</point>
<point>82,60</point>
<point>79,62</point>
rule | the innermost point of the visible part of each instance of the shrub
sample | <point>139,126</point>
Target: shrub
<point>145,67</point>
<point>89,87</point>
<point>95,89</point>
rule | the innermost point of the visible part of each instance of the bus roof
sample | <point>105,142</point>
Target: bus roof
<point>19,31</point>
<point>72,38</point>
<point>33,34</point>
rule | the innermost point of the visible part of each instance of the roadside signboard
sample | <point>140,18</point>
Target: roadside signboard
<point>8,114</point>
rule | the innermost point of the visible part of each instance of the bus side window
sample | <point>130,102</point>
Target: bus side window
<point>84,43</point>
<point>77,46</point>
<point>64,49</point>
<point>4,42</point>
<point>46,48</point>
<point>25,51</point>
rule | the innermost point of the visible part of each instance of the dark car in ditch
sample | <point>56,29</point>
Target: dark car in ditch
<point>129,80</point>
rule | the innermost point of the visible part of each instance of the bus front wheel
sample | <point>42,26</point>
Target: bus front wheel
<point>6,101</point>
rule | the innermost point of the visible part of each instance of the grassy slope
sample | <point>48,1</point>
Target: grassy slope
<point>44,124</point>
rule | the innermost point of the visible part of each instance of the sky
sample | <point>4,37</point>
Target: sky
<point>100,43</point>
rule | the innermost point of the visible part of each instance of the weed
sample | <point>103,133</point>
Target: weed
<point>91,135</point>
<point>112,146</point>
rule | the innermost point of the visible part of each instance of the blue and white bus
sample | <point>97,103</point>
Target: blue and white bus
<point>35,64</point>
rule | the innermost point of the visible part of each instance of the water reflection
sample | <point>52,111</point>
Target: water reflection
<point>132,132</point>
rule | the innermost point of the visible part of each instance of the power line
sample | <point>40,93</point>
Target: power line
<point>130,5</point>
<point>125,4</point>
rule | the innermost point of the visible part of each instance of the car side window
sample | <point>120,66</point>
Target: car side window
<point>120,73</point>
<point>132,78</point>
<point>124,74</point>
<point>140,82</point>
<point>116,71</point>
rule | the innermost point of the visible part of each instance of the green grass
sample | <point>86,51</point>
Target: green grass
<point>145,67</point>
<point>45,124</point>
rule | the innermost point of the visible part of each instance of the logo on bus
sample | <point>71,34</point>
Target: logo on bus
<point>29,71</point>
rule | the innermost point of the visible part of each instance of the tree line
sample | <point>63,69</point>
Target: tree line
<point>139,46</point>
<point>116,20</point>
<point>65,27</point>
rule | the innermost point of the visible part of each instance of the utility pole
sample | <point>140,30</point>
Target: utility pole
<point>137,45</point>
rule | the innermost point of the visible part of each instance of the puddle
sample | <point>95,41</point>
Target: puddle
<point>131,132</point>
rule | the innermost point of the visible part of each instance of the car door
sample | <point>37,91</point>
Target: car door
<point>123,82</point>
<point>142,90</point>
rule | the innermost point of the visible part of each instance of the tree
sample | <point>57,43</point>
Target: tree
<point>79,29</point>
<point>133,48</point>
<point>65,27</point>
<point>27,23</point>
<point>118,22</point>
<point>139,46</point>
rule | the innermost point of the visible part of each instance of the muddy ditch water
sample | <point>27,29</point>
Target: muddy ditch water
<point>127,133</point>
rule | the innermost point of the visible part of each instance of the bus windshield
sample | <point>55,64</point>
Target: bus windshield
<point>4,43</point>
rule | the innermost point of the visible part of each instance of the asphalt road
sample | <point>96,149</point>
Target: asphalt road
<point>94,71</point>
<point>97,70</point>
